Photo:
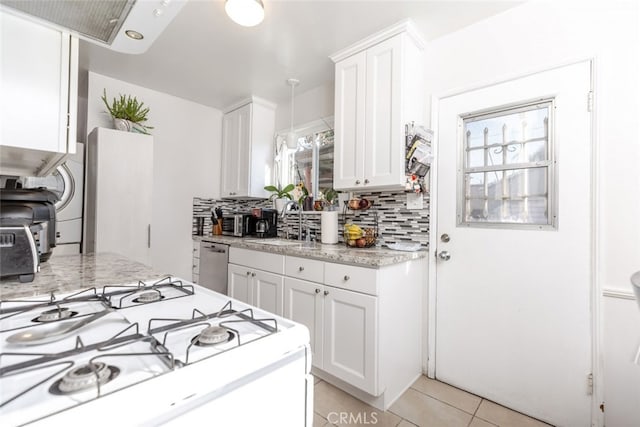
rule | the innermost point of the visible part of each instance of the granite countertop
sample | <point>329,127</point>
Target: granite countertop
<point>68,273</point>
<point>339,253</point>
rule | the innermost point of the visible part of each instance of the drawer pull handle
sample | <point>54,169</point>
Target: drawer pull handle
<point>317,291</point>
<point>300,268</point>
<point>346,278</point>
<point>326,293</point>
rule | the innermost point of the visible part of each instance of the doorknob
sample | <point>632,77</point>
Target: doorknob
<point>444,255</point>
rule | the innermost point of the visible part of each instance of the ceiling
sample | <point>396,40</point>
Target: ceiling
<point>204,57</point>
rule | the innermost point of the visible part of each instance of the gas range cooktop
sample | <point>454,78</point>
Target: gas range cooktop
<point>59,352</point>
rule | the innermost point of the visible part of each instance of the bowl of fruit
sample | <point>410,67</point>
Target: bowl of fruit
<point>359,237</point>
<point>359,204</point>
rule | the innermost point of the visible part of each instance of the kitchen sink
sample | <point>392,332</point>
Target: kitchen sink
<point>276,242</point>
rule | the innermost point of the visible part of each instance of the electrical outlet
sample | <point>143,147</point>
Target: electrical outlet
<point>414,200</point>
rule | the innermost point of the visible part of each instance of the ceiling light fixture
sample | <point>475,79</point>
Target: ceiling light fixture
<point>133,34</point>
<point>247,13</point>
<point>292,138</point>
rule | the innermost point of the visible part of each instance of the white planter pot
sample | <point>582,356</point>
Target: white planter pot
<point>279,204</point>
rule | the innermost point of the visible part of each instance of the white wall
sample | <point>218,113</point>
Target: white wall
<point>540,35</point>
<point>309,106</point>
<point>186,160</point>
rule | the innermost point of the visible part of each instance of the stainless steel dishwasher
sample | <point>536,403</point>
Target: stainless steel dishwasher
<point>214,258</point>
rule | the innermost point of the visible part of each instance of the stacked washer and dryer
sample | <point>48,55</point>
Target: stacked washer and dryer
<point>66,182</point>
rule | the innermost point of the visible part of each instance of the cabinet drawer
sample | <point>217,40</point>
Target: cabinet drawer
<point>265,261</point>
<point>352,278</point>
<point>303,268</point>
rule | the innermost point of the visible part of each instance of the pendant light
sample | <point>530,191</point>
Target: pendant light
<point>247,13</point>
<point>292,138</point>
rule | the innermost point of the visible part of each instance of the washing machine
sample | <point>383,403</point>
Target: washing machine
<point>67,182</point>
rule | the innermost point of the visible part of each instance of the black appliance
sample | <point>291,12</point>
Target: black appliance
<point>27,227</point>
<point>266,222</point>
<point>239,225</point>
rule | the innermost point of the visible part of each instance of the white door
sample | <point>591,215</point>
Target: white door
<point>303,303</point>
<point>239,283</point>
<point>267,291</point>
<point>513,301</point>
<point>349,347</point>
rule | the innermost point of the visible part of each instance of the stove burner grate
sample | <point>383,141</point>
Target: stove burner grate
<point>55,314</point>
<point>213,335</point>
<point>84,377</point>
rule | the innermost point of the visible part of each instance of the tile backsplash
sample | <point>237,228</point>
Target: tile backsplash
<point>395,222</point>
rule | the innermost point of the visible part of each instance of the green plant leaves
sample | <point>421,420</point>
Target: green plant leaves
<point>127,108</point>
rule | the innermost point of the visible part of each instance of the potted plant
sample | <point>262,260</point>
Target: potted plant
<point>280,195</point>
<point>330,198</point>
<point>128,114</point>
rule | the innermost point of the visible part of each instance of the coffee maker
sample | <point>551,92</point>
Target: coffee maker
<point>266,222</point>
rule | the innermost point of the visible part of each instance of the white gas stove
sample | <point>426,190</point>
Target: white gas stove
<point>156,352</point>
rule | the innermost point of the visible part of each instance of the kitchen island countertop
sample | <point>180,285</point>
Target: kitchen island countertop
<point>68,273</point>
<point>338,253</point>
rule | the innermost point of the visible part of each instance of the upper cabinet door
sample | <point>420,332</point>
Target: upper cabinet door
<point>236,130</point>
<point>247,149</point>
<point>349,122</point>
<point>38,82</point>
<point>384,146</point>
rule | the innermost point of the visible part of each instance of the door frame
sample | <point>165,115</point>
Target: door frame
<point>597,416</point>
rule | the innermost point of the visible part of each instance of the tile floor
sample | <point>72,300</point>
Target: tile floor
<point>427,403</point>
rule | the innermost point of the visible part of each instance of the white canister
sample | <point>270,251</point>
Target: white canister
<point>329,227</point>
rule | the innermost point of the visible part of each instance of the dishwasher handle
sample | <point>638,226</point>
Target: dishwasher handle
<point>215,249</point>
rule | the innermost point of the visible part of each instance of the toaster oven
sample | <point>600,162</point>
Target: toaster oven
<point>239,225</point>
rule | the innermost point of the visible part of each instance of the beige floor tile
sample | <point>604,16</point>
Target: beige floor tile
<point>477,422</point>
<point>318,421</point>
<point>405,423</point>
<point>426,411</point>
<point>505,417</point>
<point>335,405</point>
<point>455,397</point>
<point>316,380</point>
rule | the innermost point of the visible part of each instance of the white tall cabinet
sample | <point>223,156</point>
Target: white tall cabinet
<point>378,89</point>
<point>247,148</point>
<point>118,194</point>
<point>38,87</point>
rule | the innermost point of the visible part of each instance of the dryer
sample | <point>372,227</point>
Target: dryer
<point>67,182</point>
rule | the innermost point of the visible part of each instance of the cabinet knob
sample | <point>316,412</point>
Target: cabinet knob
<point>248,273</point>
<point>357,182</point>
<point>253,274</point>
<point>317,291</point>
<point>366,181</point>
<point>346,278</point>
<point>301,268</point>
<point>326,293</point>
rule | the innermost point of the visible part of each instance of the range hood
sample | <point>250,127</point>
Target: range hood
<point>128,26</point>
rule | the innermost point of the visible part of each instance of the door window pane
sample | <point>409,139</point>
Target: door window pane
<point>508,167</point>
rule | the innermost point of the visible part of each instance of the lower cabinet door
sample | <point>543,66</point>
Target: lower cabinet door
<point>267,291</point>
<point>350,335</point>
<point>303,303</point>
<point>239,283</point>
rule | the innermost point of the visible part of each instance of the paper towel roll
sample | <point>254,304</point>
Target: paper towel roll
<point>329,227</point>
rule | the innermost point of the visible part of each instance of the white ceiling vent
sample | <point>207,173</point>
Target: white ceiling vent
<point>128,26</point>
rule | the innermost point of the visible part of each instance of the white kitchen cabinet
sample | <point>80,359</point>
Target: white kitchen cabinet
<point>247,149</point>
<point>255,286</point>
<point>342,326</point>
<point>118,194</point>
<point>39,85</point>
<point>365,323</point>
<point>378,89</point>
<point>349,347</point>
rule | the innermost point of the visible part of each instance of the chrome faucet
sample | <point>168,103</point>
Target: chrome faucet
<point>284,213</point>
